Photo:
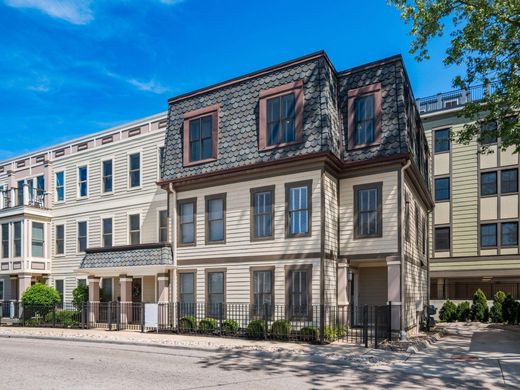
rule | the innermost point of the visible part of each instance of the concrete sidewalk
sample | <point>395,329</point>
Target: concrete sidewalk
<point>337,353</point>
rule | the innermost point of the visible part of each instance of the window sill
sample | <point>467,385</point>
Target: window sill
<point>107,193</point>
<point>442,152</point>
<point>180,245</point>
<point>442,200</point>
<point>198,162</point>
<point>261,239</point>
<point>356,237</point>
<point>303,235</point>
<point>215,242</point>
<point>279,146</point>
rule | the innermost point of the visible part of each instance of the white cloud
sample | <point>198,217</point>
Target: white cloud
<point>150,86</point>
<point>72,11</point>
<point>171,2</point>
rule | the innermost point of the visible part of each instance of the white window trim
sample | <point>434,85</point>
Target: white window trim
<point>159,225</point>
<point>54,285</point>
<point>55,187</point>
<point>158,164</point>
<point>64,239</point>
<point>103,193</point>
<point>78,196</point>
<point>78,252</point>
<point>107,216</point>
<point>128,214</point>
<point>22,222</point>
<point>45,243</point>
<point>128,154</point>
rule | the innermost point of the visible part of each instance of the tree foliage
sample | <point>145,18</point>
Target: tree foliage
<point>40,294</point>
<point>80,295</point>
<point>485,40</point>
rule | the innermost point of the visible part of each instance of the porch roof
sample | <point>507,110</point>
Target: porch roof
<point>128,256</point>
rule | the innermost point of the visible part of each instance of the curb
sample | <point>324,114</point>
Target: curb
<point>427,343</point>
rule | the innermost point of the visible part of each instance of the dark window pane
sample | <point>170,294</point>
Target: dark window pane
<point>281,117</point>
<point>509,236</point>
<point>442,239</point>
<point>488,235</point>
<point>442,189</point>
<point>509,181</point>
<point>201,138</point>
<point>216,219</point>
<point>364,120</point>
<point>262,292</point>
<point>298,294</point>
<point>368,212</point>
<point>298,210</point>
<point>488,133</point>
<point>263,218</point>
<point>107,176</point>
<point>488,183</point>
<point>442,140</point>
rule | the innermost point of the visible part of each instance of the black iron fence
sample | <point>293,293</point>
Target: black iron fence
<point>365,325</point>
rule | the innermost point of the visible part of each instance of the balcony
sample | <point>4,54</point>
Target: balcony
<point>13,198</point>
<point>454,99</point>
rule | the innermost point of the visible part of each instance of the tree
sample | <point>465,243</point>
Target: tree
<point>40,294</point>
<point>80,295</point>
<point>485,38</point>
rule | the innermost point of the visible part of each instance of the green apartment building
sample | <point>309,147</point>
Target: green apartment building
<point>474,226</point>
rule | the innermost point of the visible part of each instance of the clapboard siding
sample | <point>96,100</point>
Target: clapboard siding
<point>238,241</point>
<point>388,242</point>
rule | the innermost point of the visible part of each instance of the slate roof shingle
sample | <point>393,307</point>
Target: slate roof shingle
<point>130,256</point>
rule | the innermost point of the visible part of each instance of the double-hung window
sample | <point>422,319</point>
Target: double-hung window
<point>509,234</point>
<point>442,189</point>
<point>38,239</point>
<point>20,189</point>
<point>107,232</point>
<point>368,210</point>
<point>201,135</point>
<point>364,116</point>
<point>17,240</point>
<point>299,292</point>
<point>442,140</point>
<point>82,182</point>
<point>60,239</point>
<point>488,183</point>
<point>60,186</point>
<point>262,292</point>
<point>5,240</point>
<point>442,239</point>
<point>298,209</point>
<point>134,169</point>
<point>262,212</point>
<point>107,167</point>
<point>509,181</point>
<point>82,236</point>
<point>59,284</point>
<point>163,226</point>
<point>488,235</point>
<point>216,218</point>
<point>216,287</point>
<point>134,228</point>
<point>187,214</point>
<point>187,293</point>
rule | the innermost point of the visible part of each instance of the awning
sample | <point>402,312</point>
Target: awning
<point>128,256</point>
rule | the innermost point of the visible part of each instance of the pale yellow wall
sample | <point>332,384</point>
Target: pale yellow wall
<point>488,208</point>
<point>441,164</point>
<point>509,206</point>
<point>507,157</point>
<point>442,213</point>
<point>490,159</point>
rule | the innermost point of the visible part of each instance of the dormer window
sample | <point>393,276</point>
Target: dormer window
<point>364,116</point>
<point>281,116</point>
<point>201,135</point>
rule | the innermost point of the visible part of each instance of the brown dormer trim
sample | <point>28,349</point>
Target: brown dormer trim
<point>107,140</point>
<point>134,132</point>
<point>82,146</point>
<point>212,110</point>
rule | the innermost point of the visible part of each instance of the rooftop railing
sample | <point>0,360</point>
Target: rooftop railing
<point>454,99</point>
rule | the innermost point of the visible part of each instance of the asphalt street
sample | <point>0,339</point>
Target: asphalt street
<point>468,358</point>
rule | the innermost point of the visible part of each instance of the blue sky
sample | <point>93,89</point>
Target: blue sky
<point>72,67</point>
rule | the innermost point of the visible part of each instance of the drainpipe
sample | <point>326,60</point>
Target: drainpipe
<point>402,333</point>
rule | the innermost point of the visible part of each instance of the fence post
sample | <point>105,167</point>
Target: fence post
<point>118,315</point>
<point>220,315</point>
<point>322,323</point>
<point>375,324</point>
<point>365,325</point>
<point>266,319</point>
<point>109,314</point>
<point>389,320</point>
<point>142,317</point>
<point>54,315</point>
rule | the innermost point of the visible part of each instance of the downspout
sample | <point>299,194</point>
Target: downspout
<point>402,333</point>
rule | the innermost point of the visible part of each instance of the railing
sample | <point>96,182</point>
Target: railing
<point>365,325</point>
<point>453,99</point>
<point>465,291</point>
<point>15,197</point>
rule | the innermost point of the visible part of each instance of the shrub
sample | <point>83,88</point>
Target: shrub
<point>229,327</point>
<point>310,333</point>
<point>40,295</point>
<point>496,312</point>
<point>463,311</point>
<point>281,329</point>
<point>80,295</point>
<point>256,329</point>
<point>334,333</point>
<point>511,310</point>
<point>479,309</point>
<point>207,324</point>
<point>448,312</point>
<point>187,324</point>
<point>67,318</point>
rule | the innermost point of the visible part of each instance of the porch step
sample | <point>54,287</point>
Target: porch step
<point>9,321</point>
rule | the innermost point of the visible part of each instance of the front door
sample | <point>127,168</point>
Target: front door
<point>137,290</point>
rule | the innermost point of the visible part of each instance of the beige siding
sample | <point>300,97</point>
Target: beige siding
<point>238,242</point>
<point>330,186</point>
<point>388,242</point>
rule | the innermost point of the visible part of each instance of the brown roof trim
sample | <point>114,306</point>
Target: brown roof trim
<point>251,75</point>
<point>329,159</point>
<point>383,61</point>
<point>420,185</point>
<point>128,247</point>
